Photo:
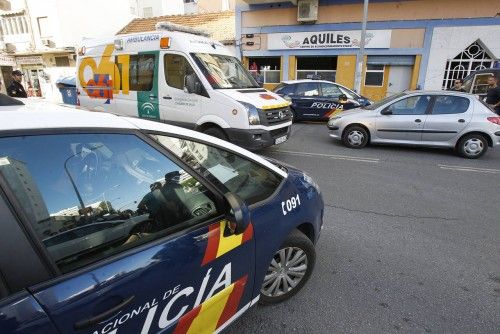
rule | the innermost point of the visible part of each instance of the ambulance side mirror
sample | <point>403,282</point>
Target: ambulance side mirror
<point>239,215</point>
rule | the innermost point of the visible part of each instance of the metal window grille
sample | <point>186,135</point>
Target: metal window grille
<point>473,58</point>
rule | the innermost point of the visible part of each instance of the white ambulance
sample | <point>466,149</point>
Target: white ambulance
<point>179,76</point>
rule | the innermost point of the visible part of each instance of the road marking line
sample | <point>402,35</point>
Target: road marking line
<point>330,156</point>
<point>470,169</point>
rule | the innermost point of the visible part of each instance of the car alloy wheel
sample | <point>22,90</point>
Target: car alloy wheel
<point>287,268</point>
<point>355,138</point>
<point>473,146</point>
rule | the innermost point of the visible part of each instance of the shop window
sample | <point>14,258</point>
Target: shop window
<point>62,61</point>
<point>324,68</point>
<point>265,69</point>
<point>473,58</point>
<point>374,75</point>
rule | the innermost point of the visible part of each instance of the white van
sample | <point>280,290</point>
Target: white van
<point>179,76</point>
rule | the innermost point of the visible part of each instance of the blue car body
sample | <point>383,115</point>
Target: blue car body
<point>196,280</point>
<point>318,100</point>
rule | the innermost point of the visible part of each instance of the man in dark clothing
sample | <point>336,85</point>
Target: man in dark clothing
<point>8,101</point>
<point>493,94</point>
<point>16,89</point>
<point>457,86</point>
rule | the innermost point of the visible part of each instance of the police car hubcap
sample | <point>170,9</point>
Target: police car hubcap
<point>355,138</point>
<point>288,267</point>
<point>473,146</point>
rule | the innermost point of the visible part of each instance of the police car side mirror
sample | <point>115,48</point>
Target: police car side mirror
<point>239,215</point>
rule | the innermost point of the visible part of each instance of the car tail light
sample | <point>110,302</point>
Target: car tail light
<point>495,120</point>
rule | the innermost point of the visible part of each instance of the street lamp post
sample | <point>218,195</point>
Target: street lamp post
<point>361,53</point>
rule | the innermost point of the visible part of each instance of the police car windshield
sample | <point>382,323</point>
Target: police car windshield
<point>224,72</point>
<point>382,102</point>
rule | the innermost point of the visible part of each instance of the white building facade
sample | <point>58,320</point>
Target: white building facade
<point>40,38</point>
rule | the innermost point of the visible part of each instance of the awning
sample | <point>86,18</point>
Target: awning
<point>391,60</point>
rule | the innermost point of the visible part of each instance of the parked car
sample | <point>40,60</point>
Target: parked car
<point>318,99</point>
<point>209,229</point>
<point>477,81</point>
<point>424,118</point>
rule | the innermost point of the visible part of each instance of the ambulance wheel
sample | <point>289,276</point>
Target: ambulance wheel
<point>290,268</point>
<point>215,132</point>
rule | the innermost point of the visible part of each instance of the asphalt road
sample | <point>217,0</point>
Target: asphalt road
<point>411,242</point>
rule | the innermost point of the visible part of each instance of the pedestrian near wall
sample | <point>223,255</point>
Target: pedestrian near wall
<point>493,94</point>
<point>457,86</point>
<point>16,89</point>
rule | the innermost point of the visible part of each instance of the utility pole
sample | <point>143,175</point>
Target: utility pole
<point>361,53</point>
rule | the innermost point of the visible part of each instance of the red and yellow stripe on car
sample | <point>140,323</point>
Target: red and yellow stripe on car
<point>218,244</point>
<point>214,312</point>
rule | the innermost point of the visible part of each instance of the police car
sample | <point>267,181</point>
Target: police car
<point>318,99</point>
<point>114,225</point>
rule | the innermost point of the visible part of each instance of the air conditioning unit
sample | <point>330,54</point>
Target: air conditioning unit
<point>307,10</point>
<point>46,41</point>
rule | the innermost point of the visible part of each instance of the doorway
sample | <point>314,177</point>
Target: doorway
<point>399,79</point>
<point>33,77</point>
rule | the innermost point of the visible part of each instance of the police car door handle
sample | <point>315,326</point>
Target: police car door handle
<point>84,323</point>
<point>418,120</point>
<point>201,237</point>
<point>167,97</point>
<point>461,120</point>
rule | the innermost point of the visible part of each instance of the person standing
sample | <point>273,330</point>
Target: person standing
<point>493,94</point>
<point>7,100</point>
<point>16,89</point>
<point>457,86</point>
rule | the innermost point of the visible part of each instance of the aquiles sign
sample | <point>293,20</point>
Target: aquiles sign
<point>328,40</point>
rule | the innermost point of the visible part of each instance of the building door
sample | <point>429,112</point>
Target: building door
<point>32,80</point>
<point>399,79</point>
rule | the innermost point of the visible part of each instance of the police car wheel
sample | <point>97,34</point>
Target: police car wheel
<point>472,146</point>
<point>294,116</point>
<point>289,269</point>
<point>355,137</point>
<point>215,132</point>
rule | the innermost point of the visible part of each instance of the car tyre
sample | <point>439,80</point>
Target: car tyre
<point>355,136</point>
<point>294,116</point>
<point>215,132</point>
<point>289,269</point>
<point>472,146</point>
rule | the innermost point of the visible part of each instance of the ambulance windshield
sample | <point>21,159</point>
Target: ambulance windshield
<point>224,72</point>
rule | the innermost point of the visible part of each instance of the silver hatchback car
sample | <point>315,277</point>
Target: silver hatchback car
<point>424,118</point>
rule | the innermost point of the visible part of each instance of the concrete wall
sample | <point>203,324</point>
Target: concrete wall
<point>380,11</point>
<point>448,42</point>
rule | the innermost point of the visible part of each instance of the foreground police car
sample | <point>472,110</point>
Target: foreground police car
<point>318,99</point>
<point>423,118</point>
<point>205,229</point>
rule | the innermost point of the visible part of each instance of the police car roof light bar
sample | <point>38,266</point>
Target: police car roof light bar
<point>169,26</point>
